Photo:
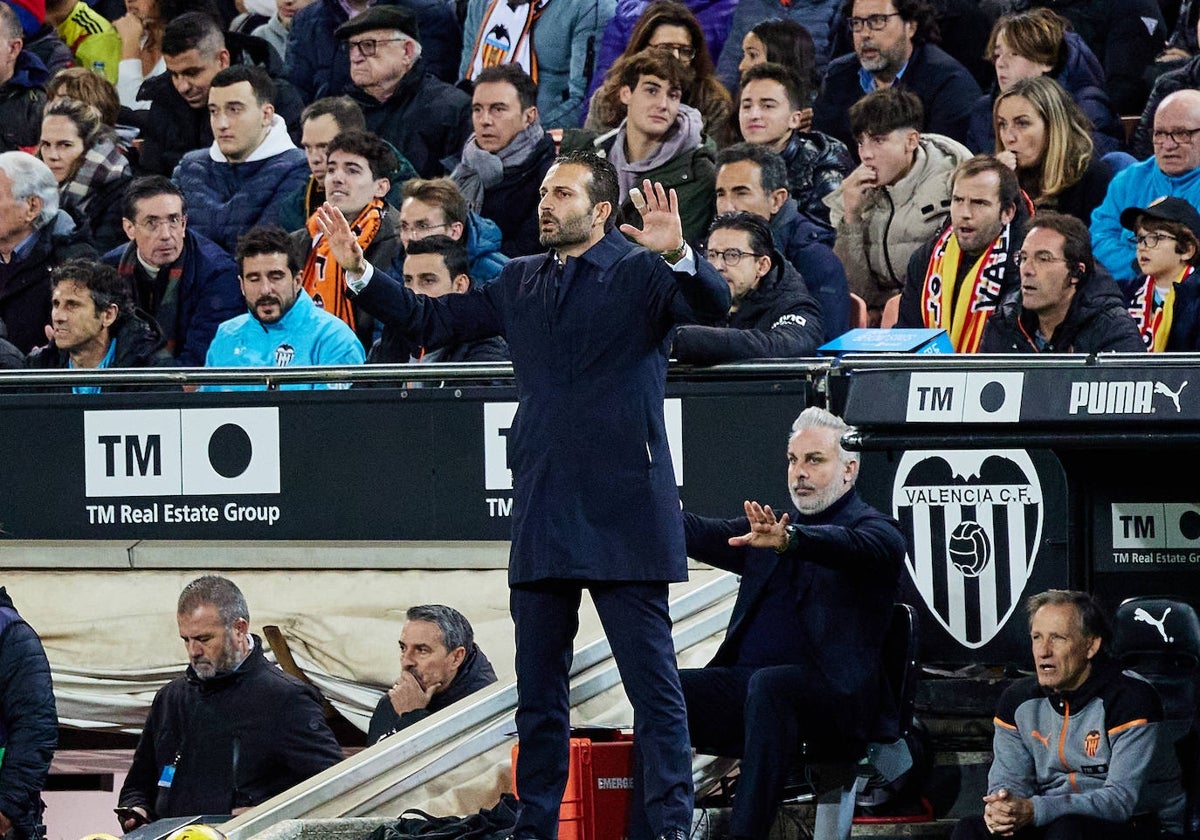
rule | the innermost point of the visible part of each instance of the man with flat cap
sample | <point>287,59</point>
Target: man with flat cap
<point>422,116</point>
<point>1164,297</point>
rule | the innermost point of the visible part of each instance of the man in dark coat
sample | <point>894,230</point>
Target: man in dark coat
<point>28,724</point>
<point>185,281</point>
<point>773,316</point>
<point>595,505</point>
<point>440,664</point>
<point>801,659</point>
<point>1067,302</point>
<point>233,730</point>
<point>23,78</point>
<point>426,119</point>
<point>892,47</point>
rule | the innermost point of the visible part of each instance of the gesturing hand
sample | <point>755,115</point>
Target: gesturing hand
<point>662,229</point>
<point>765,530</point>
<point>343,244</point>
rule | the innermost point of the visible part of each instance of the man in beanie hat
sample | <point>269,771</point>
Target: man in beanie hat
<point>423,117</point>
<point>1164,298</point>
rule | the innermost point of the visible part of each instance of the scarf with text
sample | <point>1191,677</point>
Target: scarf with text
<point>1153,314</point>
<point>324,279</point>
<point>506,36</point>
<point>963,309</point>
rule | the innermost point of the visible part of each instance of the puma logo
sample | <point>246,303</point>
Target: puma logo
<point>1161,388</point>
<point>1044,739</point>
<point>1140,614</point>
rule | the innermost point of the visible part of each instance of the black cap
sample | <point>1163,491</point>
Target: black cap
<point>380,17</point>
<point>1168,209</point>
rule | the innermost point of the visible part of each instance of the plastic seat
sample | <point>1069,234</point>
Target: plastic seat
<point>859,316</point>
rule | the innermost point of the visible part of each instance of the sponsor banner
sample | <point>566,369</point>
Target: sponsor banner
<point>1150,537</point>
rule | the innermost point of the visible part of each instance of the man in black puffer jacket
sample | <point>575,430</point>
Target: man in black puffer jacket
<point>28,724</point>
<point>773,316</point>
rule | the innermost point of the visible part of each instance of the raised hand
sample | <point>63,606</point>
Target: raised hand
<point>662,229</point>
<point>343,244</point>
<point>765,530</point>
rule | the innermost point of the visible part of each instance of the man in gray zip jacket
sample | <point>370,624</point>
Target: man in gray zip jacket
<point>1077,751</point>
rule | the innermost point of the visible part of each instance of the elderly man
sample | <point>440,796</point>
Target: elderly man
<point>28,724</point>
<point>440,664</point>
<point>892,48</point>
<point>233,730</point>
<point>233,185</point>
<point>184,280</point>
<point>1107,775</point>
<point>772,317</point>
<point>1174,170</point>
<point>956,280</point>
<point>506,158</point>
<point>1066,303</point>
<point>801,659</point>
<point>426,119</point>
<point>595,502</point>
<point>23,78</point>
<point>35,236</point>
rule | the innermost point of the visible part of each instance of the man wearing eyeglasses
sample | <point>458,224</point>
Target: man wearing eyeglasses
<point>436,207</point>
<point>1066,303</point>
<point>1173,171</point>
<point>183,279</point>
<point>893,46</point>
<point>422,116</point>
<point>772,316</point>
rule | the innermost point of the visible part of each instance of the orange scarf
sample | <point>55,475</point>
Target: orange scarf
<point>962,311</point>
<point>324,279</point>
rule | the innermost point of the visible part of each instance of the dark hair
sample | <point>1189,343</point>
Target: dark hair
<point>758,228</point>
<point>1184,236</point>
<point>669,13</point>
<point>797,92</point>
<point>1010,187</point>
<point>456,630</point>
<point>1092,620</point>
<point>440,192</point>
<point>107,288</point>
<point>82,84</point>
<point>603,185</point>
<point>772,169</point>
<point>910,11</point>
<point>790,44</point>
<point>219,592</point>
<point>169,10</point>
<point>267,239</point>
<point>193,31</point>
<point>452,252</point>
<point>1077,241</point>
<point>148,187</point>
<point>629,69</point>
<point>345,112</point>
<point>379,154</point>
<point>260,82</point>
<point>515,75</point>
<point>885,111</point>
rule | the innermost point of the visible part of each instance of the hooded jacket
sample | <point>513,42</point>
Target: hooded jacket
<point>805,243</point>
<point>1097,322</point>
<point>778,319</point>
<point>227,199</point>
<point>896,220</point>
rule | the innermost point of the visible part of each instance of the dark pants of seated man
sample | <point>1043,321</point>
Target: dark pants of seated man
<point>761,715</point>
<point>1064,828</point>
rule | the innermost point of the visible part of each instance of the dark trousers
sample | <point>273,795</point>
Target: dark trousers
<point>1064,828</point>
<point>760,715</point>
<point>638,627</point>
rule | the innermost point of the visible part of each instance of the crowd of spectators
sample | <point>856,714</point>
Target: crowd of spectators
<point>844,125</point>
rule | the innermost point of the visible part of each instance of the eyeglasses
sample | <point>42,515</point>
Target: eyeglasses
<point>1179,136</point>
<point>1042,258</point>
<point>367,46</point>
<point>420,229</point>
<point>730,256</point>
<point>151,224</point>
<point>872,22</point>
<point>1150,240</point>
<point>682,51</point>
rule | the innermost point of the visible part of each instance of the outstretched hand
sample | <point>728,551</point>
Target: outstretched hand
<point>662,229</point>
<point>765,530</point>
<point>343,244</point>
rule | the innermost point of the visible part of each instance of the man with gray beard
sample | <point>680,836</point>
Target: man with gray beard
<point>233,730</point>
<point>801,659</point>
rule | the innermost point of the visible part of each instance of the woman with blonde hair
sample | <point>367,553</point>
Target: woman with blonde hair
<point>1043,135</point>
<point>92,173</point>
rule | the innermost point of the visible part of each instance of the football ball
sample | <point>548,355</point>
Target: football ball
<point>969,548</point>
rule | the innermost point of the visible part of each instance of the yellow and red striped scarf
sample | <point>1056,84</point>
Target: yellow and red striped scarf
<point>974,300</point>
<point>323,278</point>
<point>1153,316</point>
